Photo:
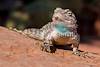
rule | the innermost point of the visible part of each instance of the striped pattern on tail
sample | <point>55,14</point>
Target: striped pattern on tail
<point>33,33</point>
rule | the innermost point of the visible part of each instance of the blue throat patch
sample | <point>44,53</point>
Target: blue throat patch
<point>61,28</point>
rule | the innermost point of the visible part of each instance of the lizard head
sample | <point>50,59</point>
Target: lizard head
<point>63,15</point>
<point>66,16</point>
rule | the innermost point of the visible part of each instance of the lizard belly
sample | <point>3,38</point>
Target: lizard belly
<point>63,40</point>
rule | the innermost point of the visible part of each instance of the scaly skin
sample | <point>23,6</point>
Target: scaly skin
<point>50,36</point>
<point>61,31</point>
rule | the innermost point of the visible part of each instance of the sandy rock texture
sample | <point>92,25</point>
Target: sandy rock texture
<point>17,50</point>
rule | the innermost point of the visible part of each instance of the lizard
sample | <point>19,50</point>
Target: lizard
<point>61,31</point>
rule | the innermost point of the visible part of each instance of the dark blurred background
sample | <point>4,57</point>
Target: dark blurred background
<point>22,14</point>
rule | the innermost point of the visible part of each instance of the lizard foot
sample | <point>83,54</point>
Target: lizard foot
<point>77,53</point>
<point>48,48</point>
<point>82,54</point>
<point>85,55</point>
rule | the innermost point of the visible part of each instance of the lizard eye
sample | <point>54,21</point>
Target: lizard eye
<point>70,13</point>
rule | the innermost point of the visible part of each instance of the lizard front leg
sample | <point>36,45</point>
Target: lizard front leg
<point>75,45</point>
<point>75,49</point>
<point>48,46</point>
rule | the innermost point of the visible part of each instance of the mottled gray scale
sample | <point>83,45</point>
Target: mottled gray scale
<point>48,32</point>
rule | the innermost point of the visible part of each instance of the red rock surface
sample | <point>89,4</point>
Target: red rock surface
<point>17,50</point>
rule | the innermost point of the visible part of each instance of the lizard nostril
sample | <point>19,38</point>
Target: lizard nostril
<point>56,18</point>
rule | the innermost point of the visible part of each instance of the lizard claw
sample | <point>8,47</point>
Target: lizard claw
<point>77,53</point>
<point>82,54</point>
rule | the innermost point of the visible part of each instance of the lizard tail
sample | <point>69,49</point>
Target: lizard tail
<point>33,33</point>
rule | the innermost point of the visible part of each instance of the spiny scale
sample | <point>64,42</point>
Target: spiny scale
<point>62,30</point>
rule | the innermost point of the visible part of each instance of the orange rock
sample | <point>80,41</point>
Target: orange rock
<point>17,50</point>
